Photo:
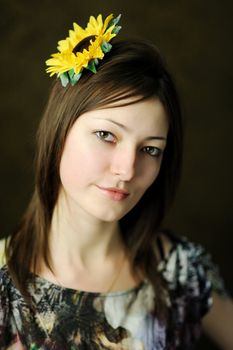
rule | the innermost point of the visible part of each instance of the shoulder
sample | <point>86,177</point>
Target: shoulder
<point>181,259</point>
<point>4,298</point>
<point>6,324</point>
<point>5,281</point>
<point>3,242</point>
<point>189,272</point>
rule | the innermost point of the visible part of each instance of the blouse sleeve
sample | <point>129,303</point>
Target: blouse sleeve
<point>186,273</point>
<point>213,274</point>
<point>5,333</point>
<point>190,276</point>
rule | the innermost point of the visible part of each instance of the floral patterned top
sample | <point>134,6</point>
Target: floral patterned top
<point>65,318</point>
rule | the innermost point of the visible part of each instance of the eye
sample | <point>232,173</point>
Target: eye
<point>152,151</point>
<point>105,136</point>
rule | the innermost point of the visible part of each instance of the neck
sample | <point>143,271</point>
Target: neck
<point>78,239</point>
<point>87,253</point>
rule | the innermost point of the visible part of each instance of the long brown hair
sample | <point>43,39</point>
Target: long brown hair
<point>133,68</point>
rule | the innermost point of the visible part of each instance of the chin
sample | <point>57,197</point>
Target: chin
<point>111,215</point>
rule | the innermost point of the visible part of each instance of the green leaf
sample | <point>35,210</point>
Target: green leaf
<point>91,66</point>
<point>106,47</point>
<point>116,30</point>
<point>64,79</point>
<point>114,21</point>
<point>71,73</point>
<point>75,78</point>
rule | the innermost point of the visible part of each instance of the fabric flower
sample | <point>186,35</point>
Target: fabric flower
<point>69,64</point>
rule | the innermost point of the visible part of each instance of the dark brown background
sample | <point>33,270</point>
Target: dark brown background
<point>195,36</point>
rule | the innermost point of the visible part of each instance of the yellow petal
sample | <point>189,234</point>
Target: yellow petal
<point>94,26</point>
<point>78,29</point>
<point>106,22</point>
<point>64,46</point>
<point>77,34</point>
<point>100,22</point>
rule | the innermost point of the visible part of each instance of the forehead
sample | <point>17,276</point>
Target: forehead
<point>147,114</point>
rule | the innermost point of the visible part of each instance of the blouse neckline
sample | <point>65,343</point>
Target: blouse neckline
<point>45,282</point>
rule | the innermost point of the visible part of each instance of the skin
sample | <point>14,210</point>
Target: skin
<point>100,153</point>
<point>218,322</point>
<point>121,147</point>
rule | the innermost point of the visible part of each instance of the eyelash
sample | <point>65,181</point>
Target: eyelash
<point>150,150</point>
<point>101,134</point>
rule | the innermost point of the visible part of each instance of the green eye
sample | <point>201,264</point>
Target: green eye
<point>152,151</point>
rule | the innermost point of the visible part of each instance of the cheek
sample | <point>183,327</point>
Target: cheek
<point>69,169</point>
<point>82,166</point>
<point>152,173</point>
<point>147,180</point>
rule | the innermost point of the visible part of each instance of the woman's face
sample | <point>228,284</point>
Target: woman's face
<point>111,156</point>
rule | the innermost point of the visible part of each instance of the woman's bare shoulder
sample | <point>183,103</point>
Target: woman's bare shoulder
<point>2,251</point>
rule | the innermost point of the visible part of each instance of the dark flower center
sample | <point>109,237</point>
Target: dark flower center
<point>83,44</point>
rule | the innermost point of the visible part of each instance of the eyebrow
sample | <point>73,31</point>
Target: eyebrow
<point>127,129</point>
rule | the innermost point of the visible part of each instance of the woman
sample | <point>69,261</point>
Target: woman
<point>89,267</point>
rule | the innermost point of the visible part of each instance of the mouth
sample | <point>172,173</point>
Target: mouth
<point>114,193</point>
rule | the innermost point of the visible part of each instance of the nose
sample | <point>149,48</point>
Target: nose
<point>123,163</point>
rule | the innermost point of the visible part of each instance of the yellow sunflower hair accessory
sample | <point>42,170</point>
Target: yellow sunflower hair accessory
<point>83,49</point>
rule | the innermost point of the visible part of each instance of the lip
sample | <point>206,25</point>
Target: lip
<point>114,193</point>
